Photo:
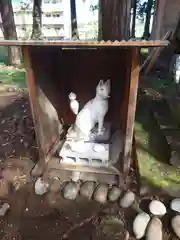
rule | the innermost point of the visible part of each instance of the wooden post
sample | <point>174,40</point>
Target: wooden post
<point>129,107</point>
<point>30,80</point>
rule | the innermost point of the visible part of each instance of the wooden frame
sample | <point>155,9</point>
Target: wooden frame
<point>127,110</point>
<point>129,106</point>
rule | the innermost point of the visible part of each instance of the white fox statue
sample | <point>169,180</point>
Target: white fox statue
<point>93,112</point>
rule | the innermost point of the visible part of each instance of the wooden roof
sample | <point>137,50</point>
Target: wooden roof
<point>78,44</point>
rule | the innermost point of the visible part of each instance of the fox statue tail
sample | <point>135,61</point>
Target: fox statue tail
<point>74,104</point>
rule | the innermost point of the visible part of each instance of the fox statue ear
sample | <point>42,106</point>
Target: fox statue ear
<point>108,83</point>
<point>101,82</point>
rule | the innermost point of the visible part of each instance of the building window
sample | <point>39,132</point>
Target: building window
<point>57,15</point>
<point>61,27</point>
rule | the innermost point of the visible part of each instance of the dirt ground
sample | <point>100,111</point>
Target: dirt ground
<point>33,217</point>
<point>17,136</point>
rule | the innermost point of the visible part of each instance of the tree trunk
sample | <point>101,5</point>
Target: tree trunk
<point>157,19</point>
<point>133,29</point>
<point>9,30</point>
<point>149,6</point>
<point>37,20</point>
<point>114,19</point>
<point>74,27</point>
<point>165,19</point>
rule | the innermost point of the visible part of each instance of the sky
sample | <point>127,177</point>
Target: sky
<point>83,10</point>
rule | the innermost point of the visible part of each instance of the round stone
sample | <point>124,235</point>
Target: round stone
<point>110,227</point>
<point>55,185</point>
<point>54,200</point>
<point>100,193</point>
<point>127,200</point>
<point>70,191</point>
<point>4,208</point>
<point>140,224</point>
<point>157,208</point>
<point>175,223</point>
<point>114,193</point>
<point>154,229</point>
<point>175,205</point>
<point>41,187</point>
<point>87,189</point>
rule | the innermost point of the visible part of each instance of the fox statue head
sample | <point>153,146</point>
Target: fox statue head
<point>103,89</point>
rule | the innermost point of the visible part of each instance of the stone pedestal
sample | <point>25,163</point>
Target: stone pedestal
<point>87,151</point>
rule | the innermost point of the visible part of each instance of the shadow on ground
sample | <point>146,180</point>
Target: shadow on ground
<point>17,135</point>
<point>157,144</point>
<point>33,217</point>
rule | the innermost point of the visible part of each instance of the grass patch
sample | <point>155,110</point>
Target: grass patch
<point>13,76</point>
<point>10,75</point>
<point>144,52</point>
<point>152,169</point>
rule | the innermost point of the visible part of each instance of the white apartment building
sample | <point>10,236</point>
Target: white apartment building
<point>55,19</point>
<point>56,22</point>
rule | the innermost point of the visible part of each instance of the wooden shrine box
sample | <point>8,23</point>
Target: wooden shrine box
<point>56,68</point>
